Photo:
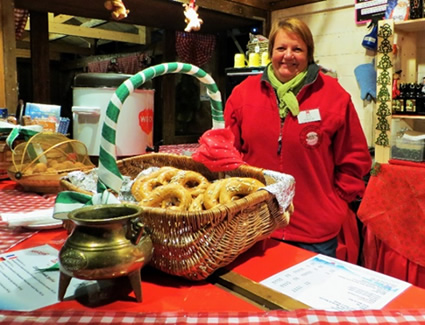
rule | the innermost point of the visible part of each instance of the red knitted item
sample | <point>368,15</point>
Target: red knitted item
<point>21,17</point>
<point>193,48</point>
<point>217,151</point>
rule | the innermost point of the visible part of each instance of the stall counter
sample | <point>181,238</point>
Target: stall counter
<point>168,299</point>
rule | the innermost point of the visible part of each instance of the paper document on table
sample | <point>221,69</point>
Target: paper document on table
<point>330,284</point>
<point>23,284</point>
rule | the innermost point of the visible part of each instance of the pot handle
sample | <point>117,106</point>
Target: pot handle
<point>109,174</point>
<point>135,231</point>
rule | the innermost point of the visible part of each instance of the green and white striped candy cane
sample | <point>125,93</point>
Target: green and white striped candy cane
<point>108,173</point>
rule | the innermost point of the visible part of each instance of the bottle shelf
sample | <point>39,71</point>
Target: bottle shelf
<point>405,116</point>
<point>413,25</point>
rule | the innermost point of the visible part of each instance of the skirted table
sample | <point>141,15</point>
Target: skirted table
<point>393,213</point>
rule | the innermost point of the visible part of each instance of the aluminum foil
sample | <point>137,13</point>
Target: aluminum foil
<point>282,186</point>
<point>88,182</point>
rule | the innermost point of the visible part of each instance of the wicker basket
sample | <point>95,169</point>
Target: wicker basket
<point>193,244</point>
<point>49,149</point>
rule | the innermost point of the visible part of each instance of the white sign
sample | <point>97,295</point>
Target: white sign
<point>312,115</point>
<point>25,285</point>
<point>326,283</point>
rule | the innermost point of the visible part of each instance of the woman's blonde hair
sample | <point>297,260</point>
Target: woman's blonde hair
<point>296,26</point>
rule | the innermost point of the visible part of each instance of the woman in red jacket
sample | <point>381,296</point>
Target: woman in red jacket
<point>295,119</point>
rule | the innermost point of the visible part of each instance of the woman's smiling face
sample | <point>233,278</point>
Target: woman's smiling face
<point>290,55</point>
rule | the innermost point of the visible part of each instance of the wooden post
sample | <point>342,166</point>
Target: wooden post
<point>8,74</point>
<point>169,91</point>
<point>40,60</point>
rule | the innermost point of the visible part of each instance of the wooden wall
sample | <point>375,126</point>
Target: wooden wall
<point>421,57</point>
<point>8,78</point>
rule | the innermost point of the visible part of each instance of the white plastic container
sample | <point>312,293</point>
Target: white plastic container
<point>406,149</point>
<point>91,95</point>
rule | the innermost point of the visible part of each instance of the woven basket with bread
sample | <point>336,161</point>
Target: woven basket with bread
<point>39,163</point>
<point>232,212</point>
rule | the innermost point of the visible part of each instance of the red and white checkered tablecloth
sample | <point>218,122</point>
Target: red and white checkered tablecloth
<point>179,149</point>
<point>12,237</point>
<point>302,316</point>
<point>14,200</point>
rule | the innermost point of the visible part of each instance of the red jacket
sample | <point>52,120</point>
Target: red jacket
<point>328,157</point>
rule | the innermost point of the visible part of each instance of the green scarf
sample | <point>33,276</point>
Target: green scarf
<point>286,92</point>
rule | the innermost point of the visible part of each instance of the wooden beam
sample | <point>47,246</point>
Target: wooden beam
<point>277,5</point>
<point>8,73</point>
<point>166,14</point>
<point>40,57</point>
<point>2,56</point>
<point>23,50</point>
<point>240,8</point>
<point>59,18</point>
<point>97,33</point>
<point>26,54</point>
<point>261,4</point>
<point>84,62</point>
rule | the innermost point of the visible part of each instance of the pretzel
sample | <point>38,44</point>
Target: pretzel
<point>197,203</point>
<point>167,173</point>
<point>237,187</point>
<point>229,189</point>
<point>194,182</point>
<point>144,185</point>
<point>170,196</point>
<point>212,194</point>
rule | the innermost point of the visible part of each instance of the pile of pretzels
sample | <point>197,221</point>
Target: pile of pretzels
<point>187,190</point>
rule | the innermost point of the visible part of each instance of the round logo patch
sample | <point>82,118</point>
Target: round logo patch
<point>311,137</point>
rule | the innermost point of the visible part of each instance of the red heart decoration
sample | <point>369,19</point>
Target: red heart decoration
<point>146,120</point>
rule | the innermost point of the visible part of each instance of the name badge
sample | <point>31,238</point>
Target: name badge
<point>311,115</point>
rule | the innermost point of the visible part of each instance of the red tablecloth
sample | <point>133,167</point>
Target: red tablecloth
<point>393,213</point>
<point>380,257</point>
<point>14,200</point>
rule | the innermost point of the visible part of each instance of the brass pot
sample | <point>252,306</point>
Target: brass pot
<point>107,241</point>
